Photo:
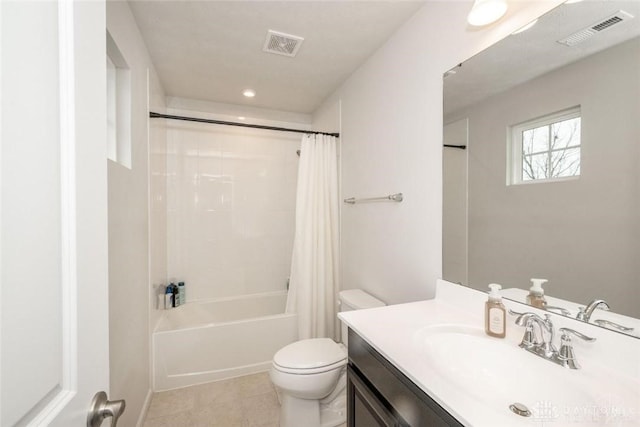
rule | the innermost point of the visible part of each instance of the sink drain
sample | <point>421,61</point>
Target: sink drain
<point>520,409</point>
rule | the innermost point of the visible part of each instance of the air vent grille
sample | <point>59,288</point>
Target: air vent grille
<point>281,43</point>
<point>592,30</point>
<point>606,24</point>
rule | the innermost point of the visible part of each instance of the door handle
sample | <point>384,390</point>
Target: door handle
<point>102,408</point>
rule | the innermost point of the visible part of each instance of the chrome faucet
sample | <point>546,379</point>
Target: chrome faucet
<point>585,312</point>
<point>543,345</point>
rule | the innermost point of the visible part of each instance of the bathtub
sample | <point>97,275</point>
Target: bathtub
<point>212,340</point>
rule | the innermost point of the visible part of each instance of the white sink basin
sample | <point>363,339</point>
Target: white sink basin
<point>496,373</point>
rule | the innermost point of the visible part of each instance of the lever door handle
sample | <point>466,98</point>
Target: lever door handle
<point>102,408</point>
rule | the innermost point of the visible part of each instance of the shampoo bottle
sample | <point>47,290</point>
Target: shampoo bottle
<point>168,297</point>
<point>176,295</point>
<point>536,294</point>
<point>182,293</point>
<point>495,313</point>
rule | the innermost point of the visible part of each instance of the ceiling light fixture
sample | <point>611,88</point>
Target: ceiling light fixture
<point>485,12</point>
<point>249,93</point>
<point>526,27</point>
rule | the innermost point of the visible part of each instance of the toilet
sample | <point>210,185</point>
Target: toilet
<point>311,375</point>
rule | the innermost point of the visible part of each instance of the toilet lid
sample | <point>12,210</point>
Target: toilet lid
<point>310,354</point>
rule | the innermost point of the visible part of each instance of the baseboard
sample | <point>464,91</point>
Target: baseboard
<point>145,409</point>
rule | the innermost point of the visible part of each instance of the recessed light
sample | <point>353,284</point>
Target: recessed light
<point>249,93</point>
<point>485,12</point>
<point>241,117</point>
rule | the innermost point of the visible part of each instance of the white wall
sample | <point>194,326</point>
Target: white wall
<point>391,136</point>
<point>231,200</point>
<point>582,235</point>
<point>129,271</point>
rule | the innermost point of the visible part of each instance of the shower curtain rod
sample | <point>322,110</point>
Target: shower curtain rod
<point>245,125</point>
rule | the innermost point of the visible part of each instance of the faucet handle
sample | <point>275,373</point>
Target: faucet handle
<point>561,310</point>
<point>612,325</point>
<point>566,355</point>
<point>566,332</point>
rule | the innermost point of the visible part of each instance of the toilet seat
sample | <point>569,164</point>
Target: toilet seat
<point>310,356</point>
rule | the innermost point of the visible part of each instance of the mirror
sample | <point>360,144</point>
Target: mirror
<point>527,199</point>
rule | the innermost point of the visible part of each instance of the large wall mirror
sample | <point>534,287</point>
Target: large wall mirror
<point>548,184</point>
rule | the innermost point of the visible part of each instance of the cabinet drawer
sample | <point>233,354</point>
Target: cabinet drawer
<point>406,399</point>
<point>364,407</point>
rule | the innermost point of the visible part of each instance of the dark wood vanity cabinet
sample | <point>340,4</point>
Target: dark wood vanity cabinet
<point>378,394</point>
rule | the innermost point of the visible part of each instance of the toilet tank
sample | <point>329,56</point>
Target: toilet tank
<point>355,299</point>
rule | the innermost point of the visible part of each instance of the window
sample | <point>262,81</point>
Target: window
<point>547,148</point>
<point>118,105</point>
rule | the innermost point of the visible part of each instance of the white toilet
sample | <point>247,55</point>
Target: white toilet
<point>310,375</point>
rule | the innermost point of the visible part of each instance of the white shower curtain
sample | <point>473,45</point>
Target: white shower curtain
<point>314,264</point>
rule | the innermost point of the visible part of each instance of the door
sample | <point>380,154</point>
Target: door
<point>53,239</point>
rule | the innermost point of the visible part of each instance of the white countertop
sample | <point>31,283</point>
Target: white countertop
<point>394,332</point>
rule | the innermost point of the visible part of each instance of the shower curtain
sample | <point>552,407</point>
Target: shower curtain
<point>314,265</point>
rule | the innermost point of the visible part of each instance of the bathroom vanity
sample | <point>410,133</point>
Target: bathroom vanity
<point>378,394</point>
<point>429,363</point>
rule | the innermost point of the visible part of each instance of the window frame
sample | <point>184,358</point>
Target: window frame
<point>119,105</point>
<point>515,151</point>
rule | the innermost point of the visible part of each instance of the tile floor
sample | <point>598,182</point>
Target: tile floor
<point>248,401</point>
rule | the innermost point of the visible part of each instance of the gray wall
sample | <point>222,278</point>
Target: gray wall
<point>583,235</point>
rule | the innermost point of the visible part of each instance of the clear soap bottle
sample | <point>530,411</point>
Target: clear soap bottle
<point>536,294</point>
<point>495,313</point>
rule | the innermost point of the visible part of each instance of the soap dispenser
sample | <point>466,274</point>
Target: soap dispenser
<point>495,313</point>
<point>536,294</point>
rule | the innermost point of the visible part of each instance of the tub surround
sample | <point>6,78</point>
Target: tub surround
<point>398,333</point>
<point>231,196</point>
<point>214,340</point>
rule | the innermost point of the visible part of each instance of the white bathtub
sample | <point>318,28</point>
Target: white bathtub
<point>213,340</point>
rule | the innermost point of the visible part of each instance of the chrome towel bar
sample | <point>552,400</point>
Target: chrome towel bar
<point>393,197</point>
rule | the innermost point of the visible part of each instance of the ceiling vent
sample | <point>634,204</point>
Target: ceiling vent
<point>596,28</point>
<point>282,44</point>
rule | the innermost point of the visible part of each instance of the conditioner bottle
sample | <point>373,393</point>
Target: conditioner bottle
<point>495,313</point>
